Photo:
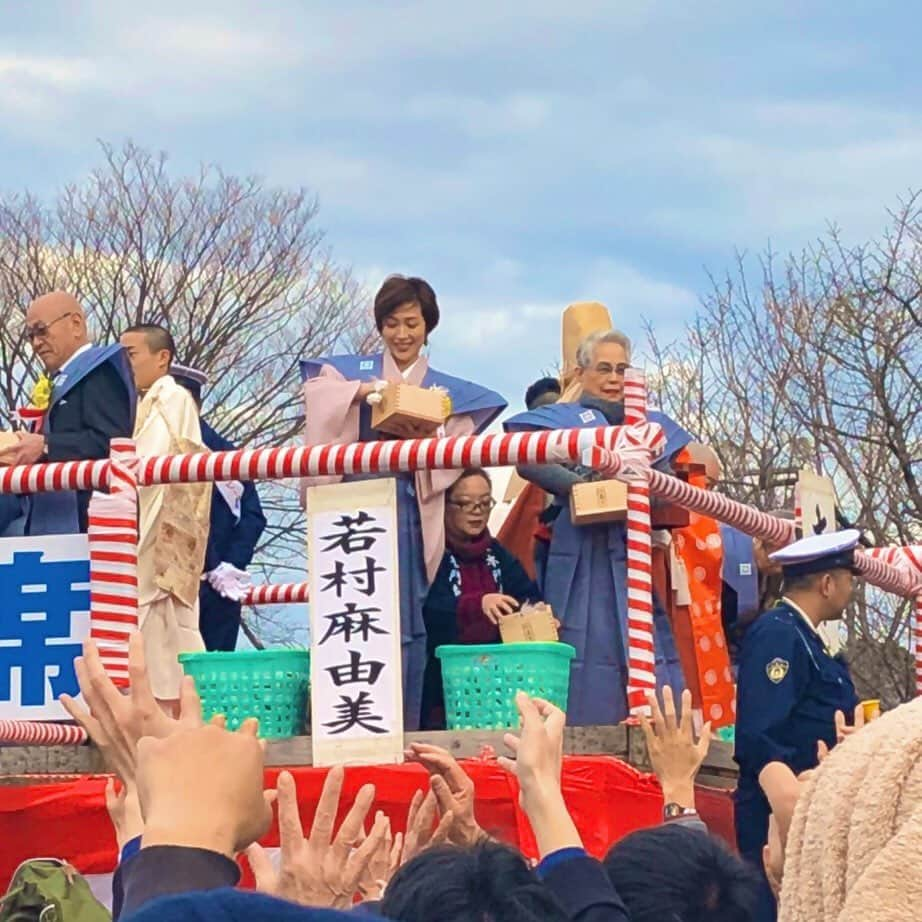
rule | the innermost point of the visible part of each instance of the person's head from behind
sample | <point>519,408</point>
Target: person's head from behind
<point>681,874</point>
<point>55,327</point>
<point>150,349</point>
<point>542,392</point>
<point>602,359</point>
<point>406,312</point>
<point>468,504</point>
<point>486,883</point>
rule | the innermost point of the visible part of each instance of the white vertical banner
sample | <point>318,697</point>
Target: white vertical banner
<point>815,503</point>
<point>356,684</point>
<point>44,619</point>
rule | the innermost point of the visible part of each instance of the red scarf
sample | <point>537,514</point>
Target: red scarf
<point>476,581</point>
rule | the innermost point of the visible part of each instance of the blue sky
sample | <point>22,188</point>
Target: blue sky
<point>518,155</point>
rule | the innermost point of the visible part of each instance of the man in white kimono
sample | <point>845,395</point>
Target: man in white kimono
<point>172,519</point>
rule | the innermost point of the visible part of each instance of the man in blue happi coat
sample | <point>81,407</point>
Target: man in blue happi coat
<point>584,578</point>
<point>789,685</point>
<point>92,401</point>
<point>237,524</point>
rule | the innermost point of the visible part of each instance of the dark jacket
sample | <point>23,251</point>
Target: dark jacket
<point>229,541</point>
<point>79,427</point>
<point>441,617</point>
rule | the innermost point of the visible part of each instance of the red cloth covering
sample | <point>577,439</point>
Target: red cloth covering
<point>606,797</point>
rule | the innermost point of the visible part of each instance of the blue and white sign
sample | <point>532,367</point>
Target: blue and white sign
<point>44,619</point>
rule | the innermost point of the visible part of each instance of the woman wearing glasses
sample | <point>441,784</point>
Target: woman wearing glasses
<point>478,582</point>
<point>336,391</point>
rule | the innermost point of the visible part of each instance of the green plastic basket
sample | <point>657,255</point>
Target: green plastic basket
<point>271,685</point>
<point>480,682</point>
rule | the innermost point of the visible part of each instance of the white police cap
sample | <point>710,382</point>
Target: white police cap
<point>818,553</point>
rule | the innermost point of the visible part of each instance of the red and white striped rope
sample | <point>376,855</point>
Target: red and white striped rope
<point>113,541</point>
<point>641,652</point>
<point>273,594</point>
<point>454,452</point>
<point>907,559</point>
<point>917,642</point>
<point>57,475</point>
<point>39,733</point>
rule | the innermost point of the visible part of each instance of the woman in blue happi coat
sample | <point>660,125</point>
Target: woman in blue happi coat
<point>335,394</point>
<point>585,577</point>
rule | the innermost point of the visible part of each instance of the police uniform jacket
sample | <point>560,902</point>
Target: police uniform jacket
<point>789,688</point>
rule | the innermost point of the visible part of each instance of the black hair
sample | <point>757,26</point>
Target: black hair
<point>471,472</point>
<point>157,338</point>
<point>541,387</point>
<point>674,872</point>
<point>399,290</point>
<point>487,883</point>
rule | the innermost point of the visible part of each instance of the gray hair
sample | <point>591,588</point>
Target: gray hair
<point>587,347</point>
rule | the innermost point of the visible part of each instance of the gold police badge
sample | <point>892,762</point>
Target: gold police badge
<point>777,669</point>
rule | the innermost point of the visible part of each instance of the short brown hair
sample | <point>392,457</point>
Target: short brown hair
<point>471,472</point>
<point>398,290</point>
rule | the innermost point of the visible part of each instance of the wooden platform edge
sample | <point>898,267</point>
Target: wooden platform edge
<point>21,764</point>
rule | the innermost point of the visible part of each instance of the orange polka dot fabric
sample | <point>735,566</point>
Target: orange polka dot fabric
<point>699,625</point>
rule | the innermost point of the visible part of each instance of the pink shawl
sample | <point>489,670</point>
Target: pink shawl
<point>332,416</point>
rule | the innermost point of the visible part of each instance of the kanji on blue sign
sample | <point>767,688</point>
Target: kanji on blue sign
<point>37,600</point>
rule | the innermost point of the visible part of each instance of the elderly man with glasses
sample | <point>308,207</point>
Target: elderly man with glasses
<point>584,579</point>
<point>91,401</point>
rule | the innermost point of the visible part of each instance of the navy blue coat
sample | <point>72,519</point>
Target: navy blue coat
<point>788,691</point>
<point>229,541</point>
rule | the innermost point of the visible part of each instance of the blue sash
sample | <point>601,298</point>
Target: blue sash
<point>467,398</point>
<point>740,572</point>
<point>57,513</point>
<point>576,416</point>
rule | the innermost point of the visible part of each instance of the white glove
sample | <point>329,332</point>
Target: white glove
<point>230,582</point>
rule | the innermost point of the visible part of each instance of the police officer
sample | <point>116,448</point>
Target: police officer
<point>789,685</point>
<point>237,523</point>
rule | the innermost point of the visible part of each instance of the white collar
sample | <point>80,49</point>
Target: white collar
<point>71,360</point>
<point>802,614</point>
<point>408,371</point>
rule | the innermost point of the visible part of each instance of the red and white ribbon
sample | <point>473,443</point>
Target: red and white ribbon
<point>634,450</point>
<point>908,559</point>
<point>274,594</point>
<point>641,648</point>
<point>38,733</point>
<point>113,540</point>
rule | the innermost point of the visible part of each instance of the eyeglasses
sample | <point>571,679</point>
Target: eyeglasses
<point>474,505</point>
<point>606,368</point>
<point>40,330</point>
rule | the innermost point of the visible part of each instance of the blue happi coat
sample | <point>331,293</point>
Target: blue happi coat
<point>467,398</point>
<point>585,582</point>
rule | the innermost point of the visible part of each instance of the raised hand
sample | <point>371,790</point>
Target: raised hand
<point>675,754</point>
<point>453,790</point>
<point>323,870</point>
<point>422,831</point>
<point>539,748</point>
<point>115,721</point>
<point>203,788</point>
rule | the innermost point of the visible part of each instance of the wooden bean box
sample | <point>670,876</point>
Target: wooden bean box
<point>599,501</point>
<point>403,404</point>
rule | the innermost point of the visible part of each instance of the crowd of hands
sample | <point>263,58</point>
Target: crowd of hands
<point>182,781</point>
